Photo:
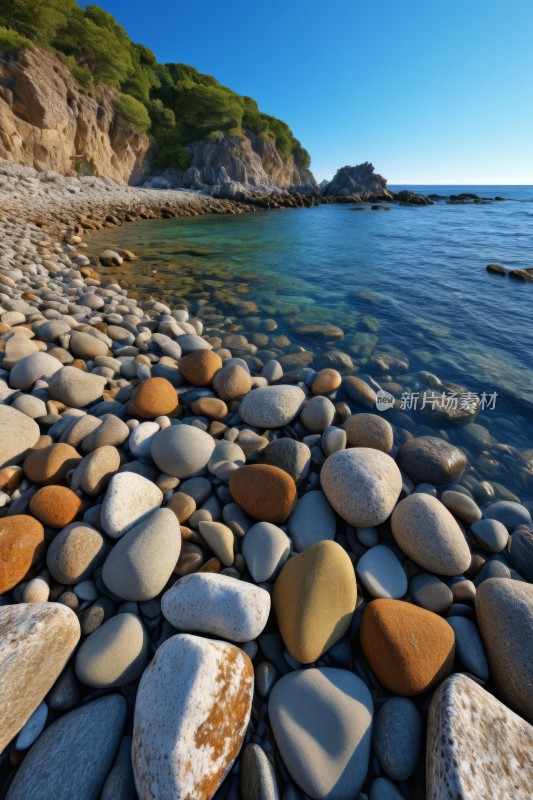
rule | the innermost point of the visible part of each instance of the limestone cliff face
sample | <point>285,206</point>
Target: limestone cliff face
<point>233,166</point>
<point>46,122</point>
<point>361,180</point>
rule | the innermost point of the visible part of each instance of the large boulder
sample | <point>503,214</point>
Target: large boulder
<point>361,180</point>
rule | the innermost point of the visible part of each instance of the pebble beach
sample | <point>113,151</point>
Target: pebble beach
<point>230,577</point>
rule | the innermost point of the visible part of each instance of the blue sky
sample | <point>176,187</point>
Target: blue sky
<point>430,91</point>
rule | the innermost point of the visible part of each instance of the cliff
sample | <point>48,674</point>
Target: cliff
<point>361,180</point>
<point>47,122</point>
<point>233,166</point>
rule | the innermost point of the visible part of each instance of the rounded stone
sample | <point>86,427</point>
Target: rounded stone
<point>36,641</point>
<point>216,604</point>
<point>182,504</point>
<point>397,737</point>
<point>220,540</point>
<point>36,591</point>
<point>55,506</point>
<point>314,599</point>
<point>522,551</point>
<point>431,593</point>
<point>84,345</point>
<point>154,397</point>
<point>426,531</point>
<point>313,520</point>
<point>129,498</point>
<point>462,506</point>
<point>322,724</point>
<point>75,553</point>
<point>210,407</point>
<point>140,564</point>
<point>18,434</point>
<point>381,573</point>
<point>191,715</point>
<point>258,778</point>
<point>359,391</point>
<point>232,382</point>
<point>429,459</point>
<point>368,430</point>
<point>21,546</point>
<point>51,464</point>
<point>182,450</point>
<point>265,548</point>
<point>508,513</point>
<point>32,368</point>
<point>75,388</point>
<point>271,406</point>
<point>266,493</point>
<point>317,414</point>
<point>115,654</point>
<point>200,367</point>
<point>504,609</point>
<point>326,381</point>
<point>409,649</point>
<point>291,456</point>
<point>490,534</point>
<point>362,485</point>
<point>141,438</point>
<point>469,647</point>
<point>94,472</point>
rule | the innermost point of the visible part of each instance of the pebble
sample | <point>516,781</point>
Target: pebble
<point>265,548</point>
<point>37,640</point>
<point>112,432</point>
<point>200,367</point>
<point>59,759</point>
<point>129,498</point>
<point>504,610</point>
<point>258,779</point>
<point>381,573</point>
<point>36,591</point>
<point>153,398</point>
<point>18,434</point>
<point>428,459</point>
<point>33,728</point>
<point>142,561</point>
<point>115,654</point>
<point>508,513</point>
<point>426,531</point>
<point>360,392</point>
<point>191,714</point>
<point>409,649</point>
<point>362,485</point>
<point>522,551</point>
<point>84,345</point>
<point>368,430</point>
<point>490,534</point>
<point>431,593</point>
<point>291,456</point>
<point>220,540</point>
<point>326,381</point>
<point>120,783</point>
<point>314,598</point>
<point>317,414</point>
<point>313,520</point>
<point>95,470</point>
<point>182,450</point>
<point>218,605</point>
<point>476,747</point>
<point>50,464</point>
<point>382,789</point>
<point>32,368</point>
<point>76,388</point>
<point>271,406</point>
<point>322,723</point>
<point>232,382</point>
<point>264,492</point>
<point>75,553</point>
<point>462,506</point>
<point>397,737</point>
<point>55,506</point>
<point>21,546</point>
<point>469,647</point>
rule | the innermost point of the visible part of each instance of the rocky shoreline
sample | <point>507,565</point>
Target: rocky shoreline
<point>210,568</point>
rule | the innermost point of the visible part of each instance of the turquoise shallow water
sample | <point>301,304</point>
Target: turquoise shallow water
<point>406,280</point>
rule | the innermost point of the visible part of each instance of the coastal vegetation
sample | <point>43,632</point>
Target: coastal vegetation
<point>174,103</point>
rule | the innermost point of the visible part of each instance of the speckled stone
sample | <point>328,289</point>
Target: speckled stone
<point>271,406</point>
<point>129,498</point>
<point>322,723</point>
<point>368,430</point>
<point>76,750</point>
<point>504,609</point>
<point>115,654</point>
<point>75,553</point>
<point>181,450</point>
<point>154,397</point>
<point>36,640</point>
<point>426,531</point>
<point>314,599</point>
<point>410,649</point>
<point>95,470</point>
<point>218,605</point>
<point>362,485</point>
<point>265,493</point>
<point>360,392</point>
<point>476,746</point>
<point>429,459</point>
<point>291,456</point>
<point>55,506</point>
<point>462,506</point>
<point>191,714</point>
<point>397,737</point>
<point>32,368</point>
<point>18,433</point>
<point>232,382</point>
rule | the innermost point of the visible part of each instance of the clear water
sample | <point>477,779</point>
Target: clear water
<point>417,273</point>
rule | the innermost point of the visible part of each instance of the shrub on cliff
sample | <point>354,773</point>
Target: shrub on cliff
<point>134,111</point>
<point>11,41</point>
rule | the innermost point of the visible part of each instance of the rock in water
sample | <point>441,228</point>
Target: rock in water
<point>504,609</point>
<point>362,485</point>
<point>73,756</point>
<point>18,433</point>
<point>476,746</point>
<point>410,649</point>
<point>429,459</point>
<point>36,641</point>
<point>314,600</point>
<point>322,724</point>
<point>191,714</point>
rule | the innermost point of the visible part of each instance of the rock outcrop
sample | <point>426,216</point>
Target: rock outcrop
<point>237,166</point>
<point>360,180</point>
<point>48,123</point>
